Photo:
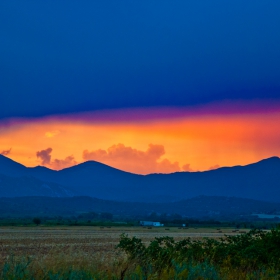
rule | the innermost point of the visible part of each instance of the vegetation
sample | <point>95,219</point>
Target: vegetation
<point>252,255</point>
<point>256,252</point>
<point>37,221</point>
<point>108,219</point>
<point>222,209</point>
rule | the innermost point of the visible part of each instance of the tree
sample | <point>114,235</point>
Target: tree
<point>106,216</point>
<point>89,216</point>
<point>153,216</point>
<point>37,221</point>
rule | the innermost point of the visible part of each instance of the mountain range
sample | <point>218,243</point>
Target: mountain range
<point>260,181</point>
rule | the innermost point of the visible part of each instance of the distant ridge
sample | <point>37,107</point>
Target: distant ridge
<point>260,180</point>
<point>202,207</point>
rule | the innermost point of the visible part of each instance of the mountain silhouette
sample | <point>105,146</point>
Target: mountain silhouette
<point>259,181</point>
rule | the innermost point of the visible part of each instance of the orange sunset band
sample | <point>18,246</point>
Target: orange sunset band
<point>144,141</point>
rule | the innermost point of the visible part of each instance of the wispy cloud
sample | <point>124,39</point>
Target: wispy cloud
<point>187,167</point>
<point>51,134</point>
<point>6,152</point>
<point>59,164</point>
<point>216,166</point>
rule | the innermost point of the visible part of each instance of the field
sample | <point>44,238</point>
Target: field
<point>41,241</point>
<point>81,252</point>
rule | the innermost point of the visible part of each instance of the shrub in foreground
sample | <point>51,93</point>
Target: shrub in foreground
<point>253,251</point>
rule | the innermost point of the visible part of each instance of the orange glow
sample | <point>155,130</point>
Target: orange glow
<point>196,142</point>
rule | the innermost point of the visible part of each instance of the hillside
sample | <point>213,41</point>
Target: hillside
<point>198,207</point>
<point>259,181</point>
<point>30,186</point>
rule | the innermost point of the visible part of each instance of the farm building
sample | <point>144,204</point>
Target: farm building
<point>150,224</point>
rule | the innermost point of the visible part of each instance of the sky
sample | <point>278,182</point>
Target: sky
<point>143,86</point>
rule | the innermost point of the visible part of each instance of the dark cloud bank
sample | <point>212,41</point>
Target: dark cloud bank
<point>65,57</point>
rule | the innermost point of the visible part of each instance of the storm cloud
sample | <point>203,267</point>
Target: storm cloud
<point>135,54</point>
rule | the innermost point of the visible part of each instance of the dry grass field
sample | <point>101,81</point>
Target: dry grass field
<point>67,252</point>
<point>41,242</point>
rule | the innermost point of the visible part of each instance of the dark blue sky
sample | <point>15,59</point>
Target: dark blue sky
<point>71,56</point>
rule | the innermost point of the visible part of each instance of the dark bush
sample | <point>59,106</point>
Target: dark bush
<point>253,250</point>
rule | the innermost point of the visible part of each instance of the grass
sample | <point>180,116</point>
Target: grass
<point>90,253</point>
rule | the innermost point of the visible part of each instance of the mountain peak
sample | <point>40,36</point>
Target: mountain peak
<point>268,161</point>
<point>10,167</point>
<point>274,158</point>
<point>7,160</point>
<point>94,166</point>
